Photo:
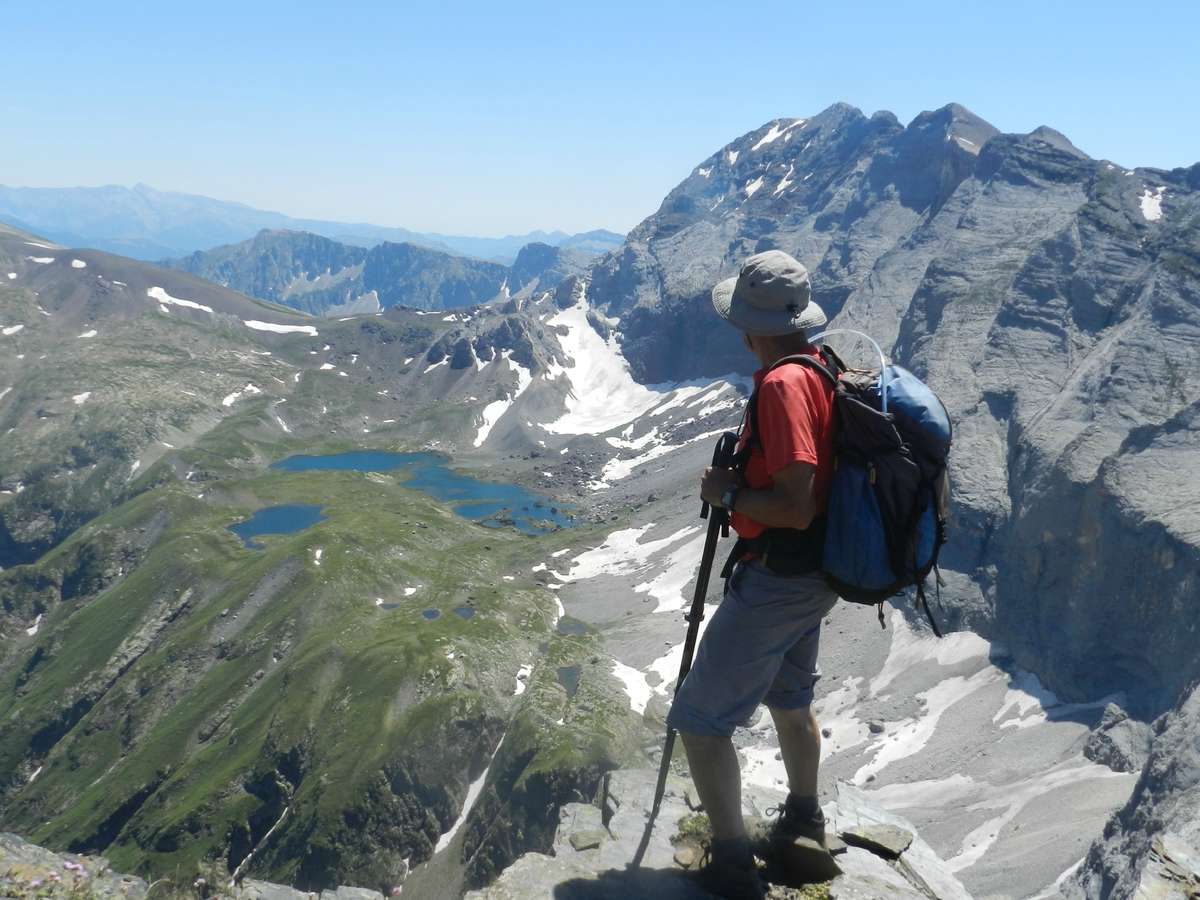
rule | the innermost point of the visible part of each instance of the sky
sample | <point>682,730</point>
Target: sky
<point>505,117</point>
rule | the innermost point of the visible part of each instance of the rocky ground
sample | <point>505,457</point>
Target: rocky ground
<point>595,843</point>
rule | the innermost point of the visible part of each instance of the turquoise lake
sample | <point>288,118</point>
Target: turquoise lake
<point>492,504</point>
<point>285,519</point>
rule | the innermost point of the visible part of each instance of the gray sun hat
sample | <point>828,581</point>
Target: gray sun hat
<point>771,295</point>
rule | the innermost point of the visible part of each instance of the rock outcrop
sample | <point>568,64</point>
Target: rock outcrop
<point>27,870</point>
<point>1151,848</point>
<point>595,843</point>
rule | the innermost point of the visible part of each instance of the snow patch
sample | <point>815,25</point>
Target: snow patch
<point>13,329</point>
<point>752,186</point>
<point>78,264</point>
<point>44,260</point>
<point>731,156</point>
<point>493,411</point>
<point>523,674</point>
<point>282,424</point>
<point>636,686</point>
<point>777,131</point>
<point>623,552</point>
<point>909,648</point>
<point>81,399</point>
<point>677,570</point>
<point>667,665</point>
<point>616,469</point>
<point>33,629</point>
<point>280,329</point>
<point>237,395</point>
<point>785,182</point>
<point>473,793</point>
<point>157,293</point>
<point>432,366</point>
<point>1151,203</point>
<point>1010,799</point>
<point>90,333</point>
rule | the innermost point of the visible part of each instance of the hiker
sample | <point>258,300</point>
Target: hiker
<point>761,643</point>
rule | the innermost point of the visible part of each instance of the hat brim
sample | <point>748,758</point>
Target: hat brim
<point>762,322</point>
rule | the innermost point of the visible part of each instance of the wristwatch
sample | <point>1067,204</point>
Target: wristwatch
<point>729,498</point>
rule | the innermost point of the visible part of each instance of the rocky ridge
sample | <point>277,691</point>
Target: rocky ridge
<point>323,277</point>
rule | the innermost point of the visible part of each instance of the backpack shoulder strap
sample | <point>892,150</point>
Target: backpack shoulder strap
<point>827,365</point>
<point>830,366</point>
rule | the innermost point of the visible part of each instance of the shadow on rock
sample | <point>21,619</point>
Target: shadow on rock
<point>623,884</point>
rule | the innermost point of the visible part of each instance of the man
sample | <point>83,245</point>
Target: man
<point>761,644</point>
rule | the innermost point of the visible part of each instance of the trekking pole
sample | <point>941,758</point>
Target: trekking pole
<point>718,526</point>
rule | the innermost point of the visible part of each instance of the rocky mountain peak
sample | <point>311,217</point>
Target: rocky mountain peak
<point>956,125</point>
<point>1057,140</point>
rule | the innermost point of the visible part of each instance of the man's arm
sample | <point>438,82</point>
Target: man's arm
<point>788,503</point>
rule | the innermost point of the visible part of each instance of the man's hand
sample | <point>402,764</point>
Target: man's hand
<point>716,482</point>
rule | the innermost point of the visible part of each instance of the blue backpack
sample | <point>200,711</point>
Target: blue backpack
<point>886,518</point>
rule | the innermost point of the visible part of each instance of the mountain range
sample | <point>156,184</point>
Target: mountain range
<point>149,224</point>
<point>173,698</point>
<point>324,277</point>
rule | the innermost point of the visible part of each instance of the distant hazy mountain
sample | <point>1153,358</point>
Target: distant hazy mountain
<point>325,277</point>
<point>149,224</point>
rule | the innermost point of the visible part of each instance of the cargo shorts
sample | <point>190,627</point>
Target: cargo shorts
<point>760,647</point>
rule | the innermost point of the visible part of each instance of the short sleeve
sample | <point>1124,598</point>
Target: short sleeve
<point>789,422</point>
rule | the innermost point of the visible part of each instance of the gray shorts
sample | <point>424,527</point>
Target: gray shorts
<point>760,647</point>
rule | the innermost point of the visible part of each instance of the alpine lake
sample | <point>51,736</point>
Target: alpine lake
<point>491,504</point>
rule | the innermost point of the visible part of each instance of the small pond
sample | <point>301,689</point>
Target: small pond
<point>489,503</point>
<point>568,625</point>
<point>286,519</point>
<point>568,677</point>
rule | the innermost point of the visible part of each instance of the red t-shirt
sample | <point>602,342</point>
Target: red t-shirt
<point>795,415</point>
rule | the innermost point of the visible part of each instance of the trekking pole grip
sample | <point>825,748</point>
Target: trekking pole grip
<point>722,458</point>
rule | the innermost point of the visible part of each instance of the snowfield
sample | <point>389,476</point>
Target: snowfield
<point>602,393</point>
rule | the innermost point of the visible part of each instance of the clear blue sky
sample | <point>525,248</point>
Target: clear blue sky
<point>492,118</point>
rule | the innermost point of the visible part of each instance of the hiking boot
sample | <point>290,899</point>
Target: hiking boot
<point>793,844</point>
<point>795,818</point>
<point>729,871</point>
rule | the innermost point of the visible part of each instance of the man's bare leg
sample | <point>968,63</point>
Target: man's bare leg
<point>714,766</point>
<point>800,746</point>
